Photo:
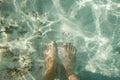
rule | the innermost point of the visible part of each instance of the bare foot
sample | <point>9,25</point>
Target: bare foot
<point>50,52</point>
<point>69,53</point>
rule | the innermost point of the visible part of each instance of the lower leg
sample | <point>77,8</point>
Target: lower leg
<point>70,73</point>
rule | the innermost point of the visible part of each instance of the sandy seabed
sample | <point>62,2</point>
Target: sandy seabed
<point>92,26</point>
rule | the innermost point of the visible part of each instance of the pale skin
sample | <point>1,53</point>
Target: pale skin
<point>50,52</point>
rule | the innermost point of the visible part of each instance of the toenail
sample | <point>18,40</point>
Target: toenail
<point>53,42</point>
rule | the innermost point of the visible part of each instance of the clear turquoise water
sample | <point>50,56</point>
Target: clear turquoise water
<point>90,25</point>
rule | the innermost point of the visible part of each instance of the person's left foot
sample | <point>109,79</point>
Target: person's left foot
<point>50,52</point>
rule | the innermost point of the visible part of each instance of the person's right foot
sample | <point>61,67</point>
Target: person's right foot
<point>69,53</point>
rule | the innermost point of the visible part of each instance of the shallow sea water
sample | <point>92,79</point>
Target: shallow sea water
<point>92,26</point>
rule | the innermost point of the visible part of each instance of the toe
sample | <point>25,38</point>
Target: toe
<point>64,46</point>
<point>71,47</point>
<point>52,44</point>
<point>74,50</point>
<point>68,46</point>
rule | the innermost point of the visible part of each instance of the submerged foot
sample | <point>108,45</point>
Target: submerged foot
<point>69,53</point>
<point>50,52</point>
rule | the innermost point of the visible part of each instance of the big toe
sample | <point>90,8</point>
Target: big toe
<point>52,45</point>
